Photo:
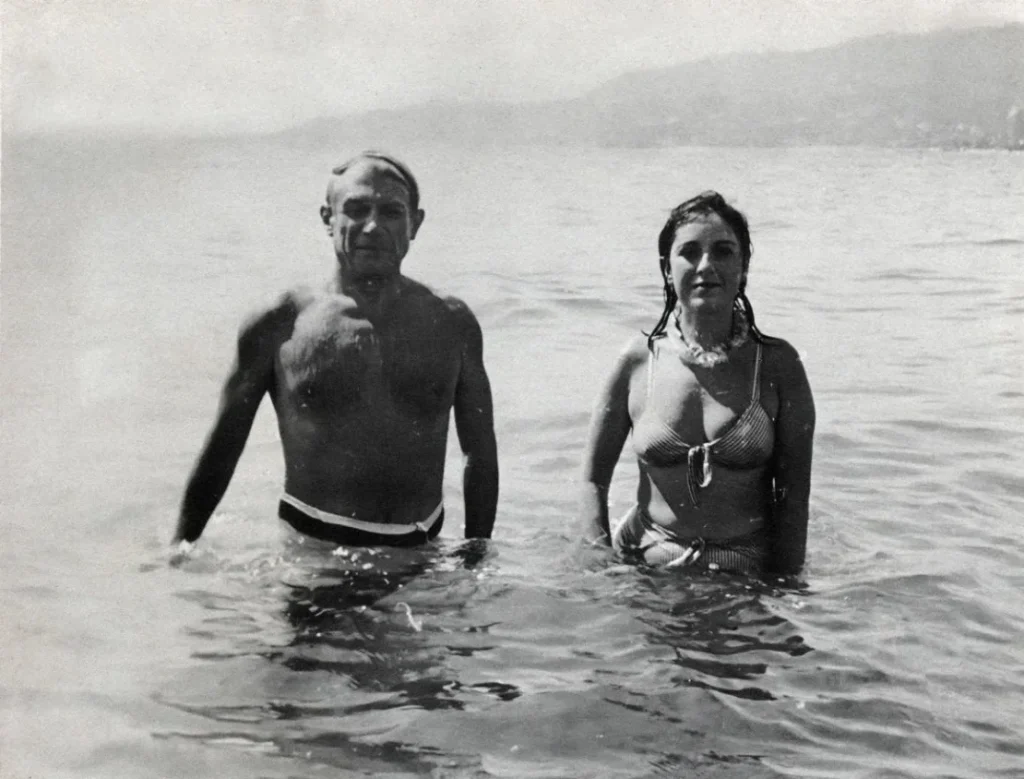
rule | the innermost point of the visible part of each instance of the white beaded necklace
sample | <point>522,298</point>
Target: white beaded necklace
<point>695,354</point>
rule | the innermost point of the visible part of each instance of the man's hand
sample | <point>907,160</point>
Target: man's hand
<point>180,552</point>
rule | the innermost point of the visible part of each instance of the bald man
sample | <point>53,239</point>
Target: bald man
<point>363,376</point>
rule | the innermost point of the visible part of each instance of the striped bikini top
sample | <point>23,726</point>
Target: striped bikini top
<point>747,444</point>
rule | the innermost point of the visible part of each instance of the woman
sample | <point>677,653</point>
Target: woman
<point>722,417</point>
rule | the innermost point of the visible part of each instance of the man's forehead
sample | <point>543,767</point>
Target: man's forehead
<point>369,179</point>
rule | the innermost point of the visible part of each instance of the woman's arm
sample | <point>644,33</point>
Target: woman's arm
<point>609,427</point>
<point>794,446</point>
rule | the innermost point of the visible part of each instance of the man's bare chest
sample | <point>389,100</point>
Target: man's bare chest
<point>335,362</point>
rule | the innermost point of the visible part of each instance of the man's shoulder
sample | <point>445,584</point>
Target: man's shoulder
<point>463,320</point>
<point>278,314</point>
<point>458,308</point>
<point>440,306</point>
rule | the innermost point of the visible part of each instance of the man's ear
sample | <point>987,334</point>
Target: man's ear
<point>417,220</point>
<point>325,216</point>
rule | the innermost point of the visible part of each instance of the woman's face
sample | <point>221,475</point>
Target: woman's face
<point>705,264</point>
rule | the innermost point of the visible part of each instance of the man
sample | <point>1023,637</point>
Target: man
<point>363,377</point>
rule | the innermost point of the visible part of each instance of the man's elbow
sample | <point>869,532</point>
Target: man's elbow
<point>482,470</point>
<point>483,456</point>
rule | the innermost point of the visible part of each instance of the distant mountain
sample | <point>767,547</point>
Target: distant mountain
<point>953,88</point>
<point>473,123</point>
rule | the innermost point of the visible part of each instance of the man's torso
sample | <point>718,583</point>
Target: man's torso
<point>363,405</point>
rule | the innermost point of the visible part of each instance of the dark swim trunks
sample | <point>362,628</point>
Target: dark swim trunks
<point>354,532</point>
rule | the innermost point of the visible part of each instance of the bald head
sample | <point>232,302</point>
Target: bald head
<point>386,165</point>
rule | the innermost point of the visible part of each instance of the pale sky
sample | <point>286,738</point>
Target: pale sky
<point>265,64</point>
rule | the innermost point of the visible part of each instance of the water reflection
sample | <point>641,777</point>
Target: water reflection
<point>363,643</point>
<point>721,630</point>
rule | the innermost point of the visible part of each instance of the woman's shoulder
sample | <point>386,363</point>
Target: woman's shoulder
<point>631,356</point>
<point>781,359</point>
<point>634,352</point>
<point>777,348</point>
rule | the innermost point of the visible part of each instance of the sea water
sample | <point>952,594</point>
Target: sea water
<point>127,267</point>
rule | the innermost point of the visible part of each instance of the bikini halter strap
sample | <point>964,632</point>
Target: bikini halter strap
<point>755,394</point>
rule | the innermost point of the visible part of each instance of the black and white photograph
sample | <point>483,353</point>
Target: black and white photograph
<point>524,389</point>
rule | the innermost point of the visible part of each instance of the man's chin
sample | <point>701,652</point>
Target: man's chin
<point>375,278</point>
<point>376,267</point>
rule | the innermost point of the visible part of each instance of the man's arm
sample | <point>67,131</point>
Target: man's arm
<point>250,378</point>
<point>609,428</point>
<point>794,446</point>
<point>474,423</point>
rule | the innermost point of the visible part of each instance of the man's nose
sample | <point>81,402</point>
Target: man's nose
<point>370,223</point>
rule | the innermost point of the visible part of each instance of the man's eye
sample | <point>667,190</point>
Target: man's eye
<point>357,210</point>
<point>392,212</point>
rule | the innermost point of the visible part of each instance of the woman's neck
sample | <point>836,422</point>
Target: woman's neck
<point>709,341</point>
<point>706,329</point>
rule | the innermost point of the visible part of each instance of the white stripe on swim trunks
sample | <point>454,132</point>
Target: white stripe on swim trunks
<point>357,524</point>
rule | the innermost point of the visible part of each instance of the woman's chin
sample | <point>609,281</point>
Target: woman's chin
<point>709,303</point>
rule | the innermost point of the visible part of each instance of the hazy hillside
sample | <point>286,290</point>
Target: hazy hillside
<point>943,88</point>
<point>950,88</point>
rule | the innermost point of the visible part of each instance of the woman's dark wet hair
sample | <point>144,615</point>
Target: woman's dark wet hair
<point>704,204</point>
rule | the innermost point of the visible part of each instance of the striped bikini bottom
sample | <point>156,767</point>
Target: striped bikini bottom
<point>637,535</point>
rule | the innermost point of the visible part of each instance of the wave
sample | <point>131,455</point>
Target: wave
<point>987,242</point>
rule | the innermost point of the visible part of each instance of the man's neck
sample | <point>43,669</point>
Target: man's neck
<point>373,293</point>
